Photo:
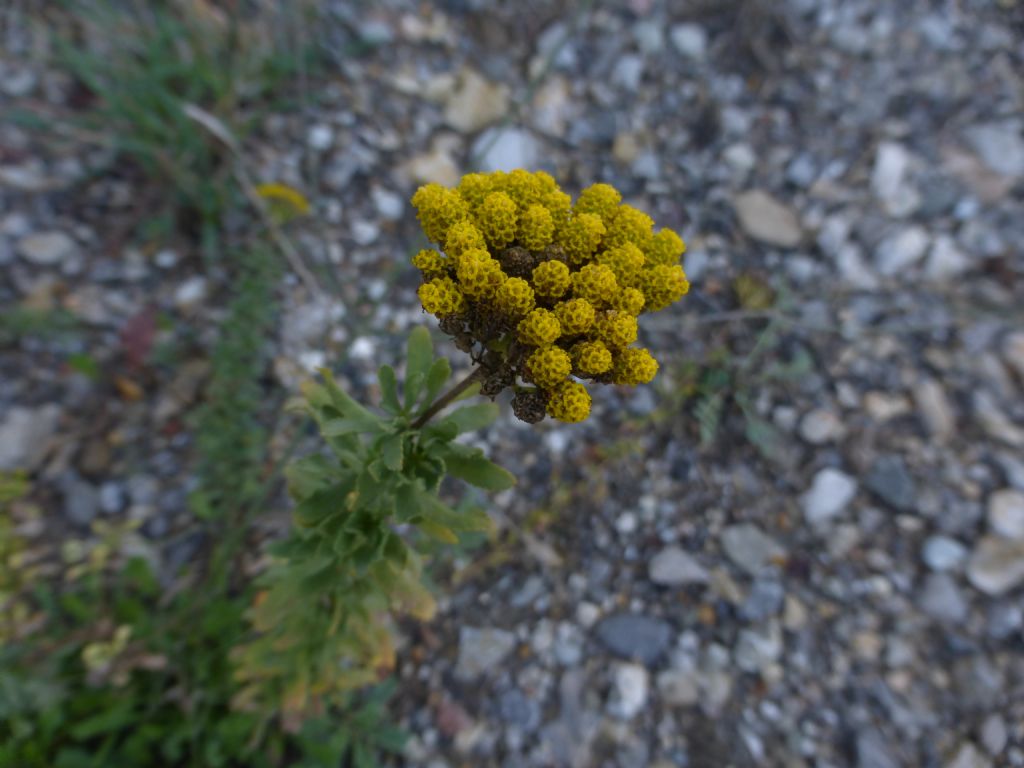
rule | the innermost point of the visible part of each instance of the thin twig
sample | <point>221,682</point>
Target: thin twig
<point>219,131</point>
<point>448,397</point>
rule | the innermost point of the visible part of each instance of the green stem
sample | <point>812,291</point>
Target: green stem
<point>447,398</point>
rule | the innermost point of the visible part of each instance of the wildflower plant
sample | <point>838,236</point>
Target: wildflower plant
<point>544,295</point>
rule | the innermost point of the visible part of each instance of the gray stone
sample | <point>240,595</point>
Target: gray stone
<point>889,479</point>
<point>830,493</point>
<point>873,751</point>
<point>764,600</point>
<point>630,684</point>
<point>996,423</point>
<point>758,648</point>
<point>674,567</point>
<point>628,72</point>
<point>936,409</point>
<point>47,249</point>
<point>505,149</point>
<point>968,756</point>
<point>25,435</point>
<point>1006,513</point>
<point>994,734</point>
<point>519,710</point>
<point>1003,619</point>
<point>81,500</point>
<point>111,498</point>
<point>475,102</point>
<point>996,565</point>
<point>634,636</point>
<point>766,219</point>
<point>941,553</point>
<point>690,40</point>
<point>679,687</point>
<point>750,548</point>
<point>389,204</point>
<point>650,37</point>
<point>901,250</point>
<point>999,145</point>
<point>941,598</point>
<point>482,650</point>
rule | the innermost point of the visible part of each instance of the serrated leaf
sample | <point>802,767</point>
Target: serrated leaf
<point>471,519</point>
<point>391,452</point>
<point>473,417</point>
<point>317,507</point>
<point>308,475</point>
<point>388,389</point>
<point>469,464</point>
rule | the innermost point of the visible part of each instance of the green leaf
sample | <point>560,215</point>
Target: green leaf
<point>342,401</point>
<point>413,388</point>
<point>391,449</point>
<point>309,475</point>
<point>437,531</point>
<point>316,508</point>
<point>472,519</point>
<point>388,389</point>
<point>473,417</point>
<point>350,426</point>
<point>439,373</point>
<point>469,464</point>
<point>419,352</point>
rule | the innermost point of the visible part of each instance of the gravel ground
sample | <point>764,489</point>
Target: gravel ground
<point>834,575</point>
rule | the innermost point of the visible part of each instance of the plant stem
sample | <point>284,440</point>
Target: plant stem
<point>448,397</point>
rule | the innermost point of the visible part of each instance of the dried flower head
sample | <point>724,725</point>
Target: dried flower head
<point>543,292</point>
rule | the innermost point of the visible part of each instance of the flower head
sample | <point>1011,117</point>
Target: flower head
<point>542,292</point>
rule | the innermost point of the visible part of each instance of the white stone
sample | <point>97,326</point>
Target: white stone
<point>690,40</point>
<point>507,149</point>
<point>820,426</point>
<point>750,548</point>
<point>1006,513</point>
<point>1000,146</point>
<point>482,650</point>
<point>320,137</point>
<point>390,205</point>
<point>191,292</point>
<point>945,259</point>
<point>630,683</point>
<point>475,102</point>
<point>889,180</point>
<point>679,687</point>
<point>364,232</point>
<point>942,553</point>
<point>996,565</point>
<point>1013,352</point>
<point>901,250</point>
<point>766,219</point>
<point>25,435</point>
<point>994,734</point>
<point>936,409</point>
<point>674,567</point>
<point>46,248</point>
<point>829,494</point>
<point>758,648</point>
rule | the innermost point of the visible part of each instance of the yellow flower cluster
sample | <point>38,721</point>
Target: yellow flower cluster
<point>544,291</point>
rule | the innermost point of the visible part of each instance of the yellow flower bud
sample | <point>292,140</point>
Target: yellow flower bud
<point>551,279</point>
<point>615,329</point>
<point>441,297</point>
<point>666,248</point>
<point>570,402</point>
<point>591,357</point>
<point>600,199</point>
<point>536,227</point>
<point>575,316</point>
<point>628,300</point>
<point>596,283</point>
<point>629,225</point>
<point>474,187</point>
<point>430,263</point>
<point>633,366</point>
<point>663,285</point>
<point>479,275</point>
<point>438,209</point>
<point>625,261</point>
<point>580,236</point>
<point>539,328</point>
<point>461,237</point>
<point>548,366</point>
<point>514,297</point>
<point>496,218</point>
